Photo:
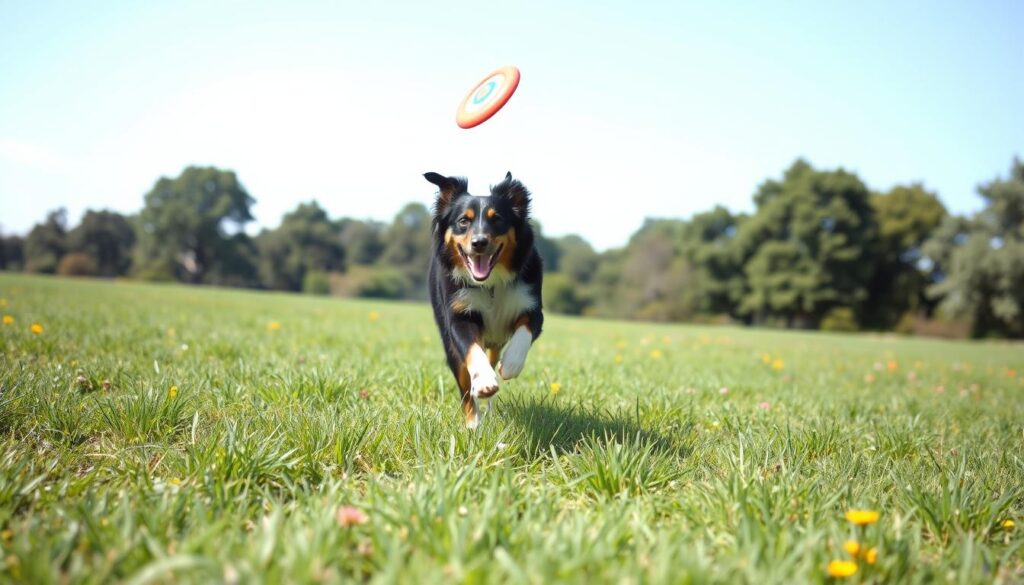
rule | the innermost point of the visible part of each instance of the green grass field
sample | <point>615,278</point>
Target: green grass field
<point>174,435</point>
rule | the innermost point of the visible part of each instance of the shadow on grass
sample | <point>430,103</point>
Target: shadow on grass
<point>564,426</point>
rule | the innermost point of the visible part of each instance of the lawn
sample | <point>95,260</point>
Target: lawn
<point>159,433</point>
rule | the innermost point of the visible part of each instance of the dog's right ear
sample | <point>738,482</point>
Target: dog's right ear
<point>447,189</point>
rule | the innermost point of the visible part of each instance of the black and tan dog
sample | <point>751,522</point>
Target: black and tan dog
<point>485,284</point>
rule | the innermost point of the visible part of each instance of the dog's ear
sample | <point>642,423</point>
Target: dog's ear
<point>515,193</point>
<point>447,189</point>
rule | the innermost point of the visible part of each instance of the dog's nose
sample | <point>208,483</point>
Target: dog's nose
<point>479,243</point>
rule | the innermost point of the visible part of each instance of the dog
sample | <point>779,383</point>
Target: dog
<point>485,285</point>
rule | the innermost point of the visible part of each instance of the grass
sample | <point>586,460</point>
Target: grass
<point>170,434</point>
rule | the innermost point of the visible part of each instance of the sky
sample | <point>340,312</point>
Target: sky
<point>626,110</point>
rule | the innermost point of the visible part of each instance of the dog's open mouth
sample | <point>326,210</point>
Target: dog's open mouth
<point>480,265</point>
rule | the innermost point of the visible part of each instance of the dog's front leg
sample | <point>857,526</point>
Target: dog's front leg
<point>514,358</point>
<point>477,380</point>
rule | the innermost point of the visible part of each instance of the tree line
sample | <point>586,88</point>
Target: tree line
<point>820,250</point>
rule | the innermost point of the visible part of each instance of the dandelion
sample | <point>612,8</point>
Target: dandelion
<point>871,556</point>
<point>556,387</point>
<point>373,316</point>
<point>778,364</point>
<point>350,516</point>
<point>1008,524</point>
<point>172,391</point>
<point>36,328</point>
<point>840,569</point>
<point>618,359</point>
<point>8,320</point>
<point>852,547</point>
<point>766,358</point>
<point>273,326</point>
<point>862,517</point>
<point>656,354</point>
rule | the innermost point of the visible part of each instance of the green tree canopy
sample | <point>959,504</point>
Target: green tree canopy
<point>187,226</point>
<point>47,242</point>
<point>305,241</point>
<point>107,237</point>
<point>982,260</point>
<point>808,247</point>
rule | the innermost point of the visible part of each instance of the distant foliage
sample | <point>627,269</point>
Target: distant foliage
<point>819,251</point>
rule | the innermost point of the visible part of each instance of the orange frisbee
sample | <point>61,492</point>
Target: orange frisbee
<point>487,97</point>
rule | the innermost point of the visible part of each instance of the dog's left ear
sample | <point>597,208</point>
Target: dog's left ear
<point>447,189</point>
<point>515,193</point>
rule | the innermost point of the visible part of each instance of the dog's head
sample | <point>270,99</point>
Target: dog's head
<point>482,238</point>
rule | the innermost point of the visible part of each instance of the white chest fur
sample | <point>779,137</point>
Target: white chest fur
<point>499,306</point>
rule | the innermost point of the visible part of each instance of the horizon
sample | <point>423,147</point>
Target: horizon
<point>674,109</point>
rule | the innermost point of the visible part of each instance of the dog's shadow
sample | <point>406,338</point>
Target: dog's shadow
<point>547,425</point>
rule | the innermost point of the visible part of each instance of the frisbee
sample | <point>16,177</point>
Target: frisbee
<point>487,97</point>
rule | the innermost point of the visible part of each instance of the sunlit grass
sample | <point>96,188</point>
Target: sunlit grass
<point>159,433</point>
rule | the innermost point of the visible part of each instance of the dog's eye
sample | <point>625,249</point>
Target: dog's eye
<point>464,222</point>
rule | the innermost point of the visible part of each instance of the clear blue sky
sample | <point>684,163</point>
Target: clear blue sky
<point>626,110</point>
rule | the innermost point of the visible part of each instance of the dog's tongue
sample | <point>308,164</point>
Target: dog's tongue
<point>479,265</point>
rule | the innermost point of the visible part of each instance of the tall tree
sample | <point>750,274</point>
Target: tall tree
<point>407,245</point>
<point>363,240</point>
<point>906,217</point>
<point>576,259</point>
<point>12,253</point>
<point>107,237</point>
<point>47,242</point>
<point>707,242</point>
<point>306,241</point>
<point>982,260</point>
<point>187,227</point>
<point>807,249</point>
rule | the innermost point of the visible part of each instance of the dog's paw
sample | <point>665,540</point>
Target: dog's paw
<point>514,358</point>
<point>484,384</point>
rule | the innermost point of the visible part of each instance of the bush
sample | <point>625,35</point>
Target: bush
<point>370,282</point>
<point>839,319</point>
<point>76,264</point>
<point>316,283</point>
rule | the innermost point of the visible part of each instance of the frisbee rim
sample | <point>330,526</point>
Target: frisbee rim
<point>468,120</point>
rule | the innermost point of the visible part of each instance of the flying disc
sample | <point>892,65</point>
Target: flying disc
<point>487,97</point>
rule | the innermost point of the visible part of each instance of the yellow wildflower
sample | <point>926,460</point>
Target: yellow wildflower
<point>862,517</point>
<point>852,547</point>
<point>173,391</point>
<point>1008,524</point>
<point>618,359</point>
<point>778,364</point>
<point>273,326</point>
<point>556,387</point>
<point>892,365</point>
<point>36,328</point>
<point>766,358</point>
<point>656,354</point>
<point>842,569</point>
<point>374,315</point>
<point>8,320</point>
<point>871,556</point>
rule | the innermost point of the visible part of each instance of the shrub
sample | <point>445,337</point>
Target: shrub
<point>839,319</point>
<point>76,264</point>
<point>316,283</point>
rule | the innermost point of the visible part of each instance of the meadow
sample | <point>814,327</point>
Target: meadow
<point>169,434</point>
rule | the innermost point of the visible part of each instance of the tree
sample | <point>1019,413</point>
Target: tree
<point>189,228</point>
<point>363,240</point>
<point>808,247</point>
<point>46,243</point>
<point>906,218</point>
<point>576,259</point>
<point>707,242</point>
<point>407,247</point>
<point>107,237</point>
<point>982,260</point>
<point>306,241</point>
<point>12,253</point>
